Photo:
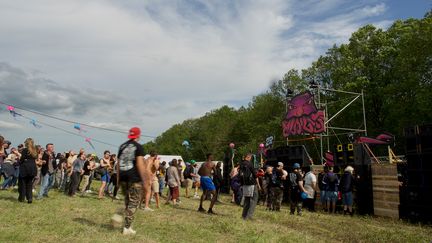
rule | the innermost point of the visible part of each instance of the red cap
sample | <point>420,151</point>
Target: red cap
<point>134,132</point>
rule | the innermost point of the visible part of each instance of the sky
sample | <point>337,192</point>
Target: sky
<point>153,64</point>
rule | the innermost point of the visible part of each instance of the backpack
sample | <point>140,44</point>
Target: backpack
<point>293,181</point>
<point>127,157</point>
<point>332,181</point>
<point>245,175</point>
<point>276,179</point>
<point>187,172</point>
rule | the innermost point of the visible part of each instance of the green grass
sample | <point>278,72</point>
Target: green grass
<point>64,219</point>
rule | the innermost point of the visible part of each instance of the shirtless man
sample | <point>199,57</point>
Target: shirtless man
<point>207,184</point>
<point>151,164</point>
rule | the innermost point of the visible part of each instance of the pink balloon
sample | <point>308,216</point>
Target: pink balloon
<point>88,139</point>
<point>232,145</point>
<point>261,145</point>
<point>11,108</point>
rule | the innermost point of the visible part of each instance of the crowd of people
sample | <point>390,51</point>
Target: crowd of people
<point>143,180</point>
<point>270,184</point>
<point>29,165</point>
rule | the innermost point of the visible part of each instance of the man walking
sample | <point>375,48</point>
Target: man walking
<point>132,174</point>
<point>250,186</point>
<point>207,184</point>
<point>47,171</point>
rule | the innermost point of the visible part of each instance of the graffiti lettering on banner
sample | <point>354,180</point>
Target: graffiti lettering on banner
<point>303,117</point>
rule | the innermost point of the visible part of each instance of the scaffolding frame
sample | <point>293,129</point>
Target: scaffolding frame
<point>320,105</point>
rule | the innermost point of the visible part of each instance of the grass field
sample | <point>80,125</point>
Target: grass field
<point>63,219</point>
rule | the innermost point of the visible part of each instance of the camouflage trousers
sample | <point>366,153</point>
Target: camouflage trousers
<point>133,193</point>
<point>276,197</point>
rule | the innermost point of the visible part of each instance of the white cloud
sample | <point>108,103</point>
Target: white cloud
<point>156,63</point>
<point>9,125</point>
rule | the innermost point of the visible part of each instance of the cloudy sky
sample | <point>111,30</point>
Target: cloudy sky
<point>152,64</point>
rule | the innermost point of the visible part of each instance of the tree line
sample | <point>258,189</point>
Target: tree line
<point>393,67</point>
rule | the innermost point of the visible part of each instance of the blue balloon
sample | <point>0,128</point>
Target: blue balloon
<point>304,195</point>
<point>186,143</point>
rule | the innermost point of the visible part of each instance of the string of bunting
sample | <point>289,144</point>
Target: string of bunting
<point>13,112</point>
<point>37,124</point>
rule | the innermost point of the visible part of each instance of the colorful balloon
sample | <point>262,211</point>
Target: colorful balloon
<point>88,140</point>
<point>78,127</point>
<point>33,122</point>
<point>12,111</point>
<point>186,143</point>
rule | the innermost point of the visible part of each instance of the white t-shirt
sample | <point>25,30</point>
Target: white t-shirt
<point>309,180</point>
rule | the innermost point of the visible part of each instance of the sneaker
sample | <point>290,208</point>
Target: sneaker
<point>148,209</point>
<point>210,211</point>
<point>117,197</point>
<point>196,196</point>
<point>129,231</point>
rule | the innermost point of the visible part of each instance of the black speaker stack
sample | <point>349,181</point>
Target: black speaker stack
<point>416,175</point>
<point>288,155</point>
<point>344,154</point>
<point>351,154</point>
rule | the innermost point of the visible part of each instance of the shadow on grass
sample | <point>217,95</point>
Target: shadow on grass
<point>91,223</point>
<point>9,198</point>
<point>201,213</point>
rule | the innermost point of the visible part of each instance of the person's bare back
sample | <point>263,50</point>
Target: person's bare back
<point>206,168</point>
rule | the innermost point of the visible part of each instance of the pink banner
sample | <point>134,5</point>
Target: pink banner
<point>303,117</point>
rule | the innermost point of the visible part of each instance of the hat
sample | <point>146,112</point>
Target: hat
<point>134,132</point>
<point>349,169</point>
<point>192,161</point>
<point>280,164</point>
<point>296,166</point>
<point>7,142</point>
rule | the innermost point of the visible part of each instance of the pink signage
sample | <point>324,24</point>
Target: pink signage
<point>303,117</point>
